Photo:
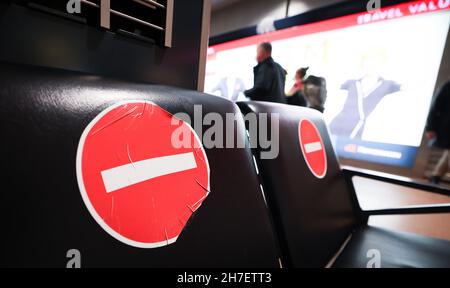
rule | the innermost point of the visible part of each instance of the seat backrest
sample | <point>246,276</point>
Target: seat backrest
<point>60,130</point>
<point>314,209</point>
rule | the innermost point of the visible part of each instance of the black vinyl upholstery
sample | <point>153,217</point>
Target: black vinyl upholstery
<point>43,113</point>
<point>396,250</point>
<point>313,216</point>
<point>316,218</point>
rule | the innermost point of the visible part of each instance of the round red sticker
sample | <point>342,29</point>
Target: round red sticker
<point>138,185</point>
<point>313,148</point>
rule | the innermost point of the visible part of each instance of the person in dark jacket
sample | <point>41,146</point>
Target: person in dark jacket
<point>269,77</point>
<point>438,130</point>
<point>295,96</point>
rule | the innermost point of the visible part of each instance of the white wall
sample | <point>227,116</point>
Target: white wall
<point>251,12</point>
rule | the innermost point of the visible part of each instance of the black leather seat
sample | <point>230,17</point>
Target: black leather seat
<point>315,216</point>
<point>43,113</point>
<point>396,250</point>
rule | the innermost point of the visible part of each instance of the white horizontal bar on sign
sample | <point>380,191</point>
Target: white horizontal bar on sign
<point>137,172</point>
<point>313,147</point>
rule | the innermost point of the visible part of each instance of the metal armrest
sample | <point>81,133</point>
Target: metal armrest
<point>407,210</point>
<point>350,172</point>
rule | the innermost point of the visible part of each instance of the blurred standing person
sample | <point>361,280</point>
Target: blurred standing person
<point>315,90</point>
<point>269,77</point>
<point>295,95</point>
<point>438,130</point>
<point>230,87</point>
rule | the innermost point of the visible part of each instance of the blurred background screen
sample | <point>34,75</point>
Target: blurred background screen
<point>380,68</point>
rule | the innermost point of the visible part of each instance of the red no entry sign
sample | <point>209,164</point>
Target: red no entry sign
<point>312,148</point>
<point>134,182</point>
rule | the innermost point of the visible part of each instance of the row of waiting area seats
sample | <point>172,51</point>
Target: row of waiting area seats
<point>274,214</point>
